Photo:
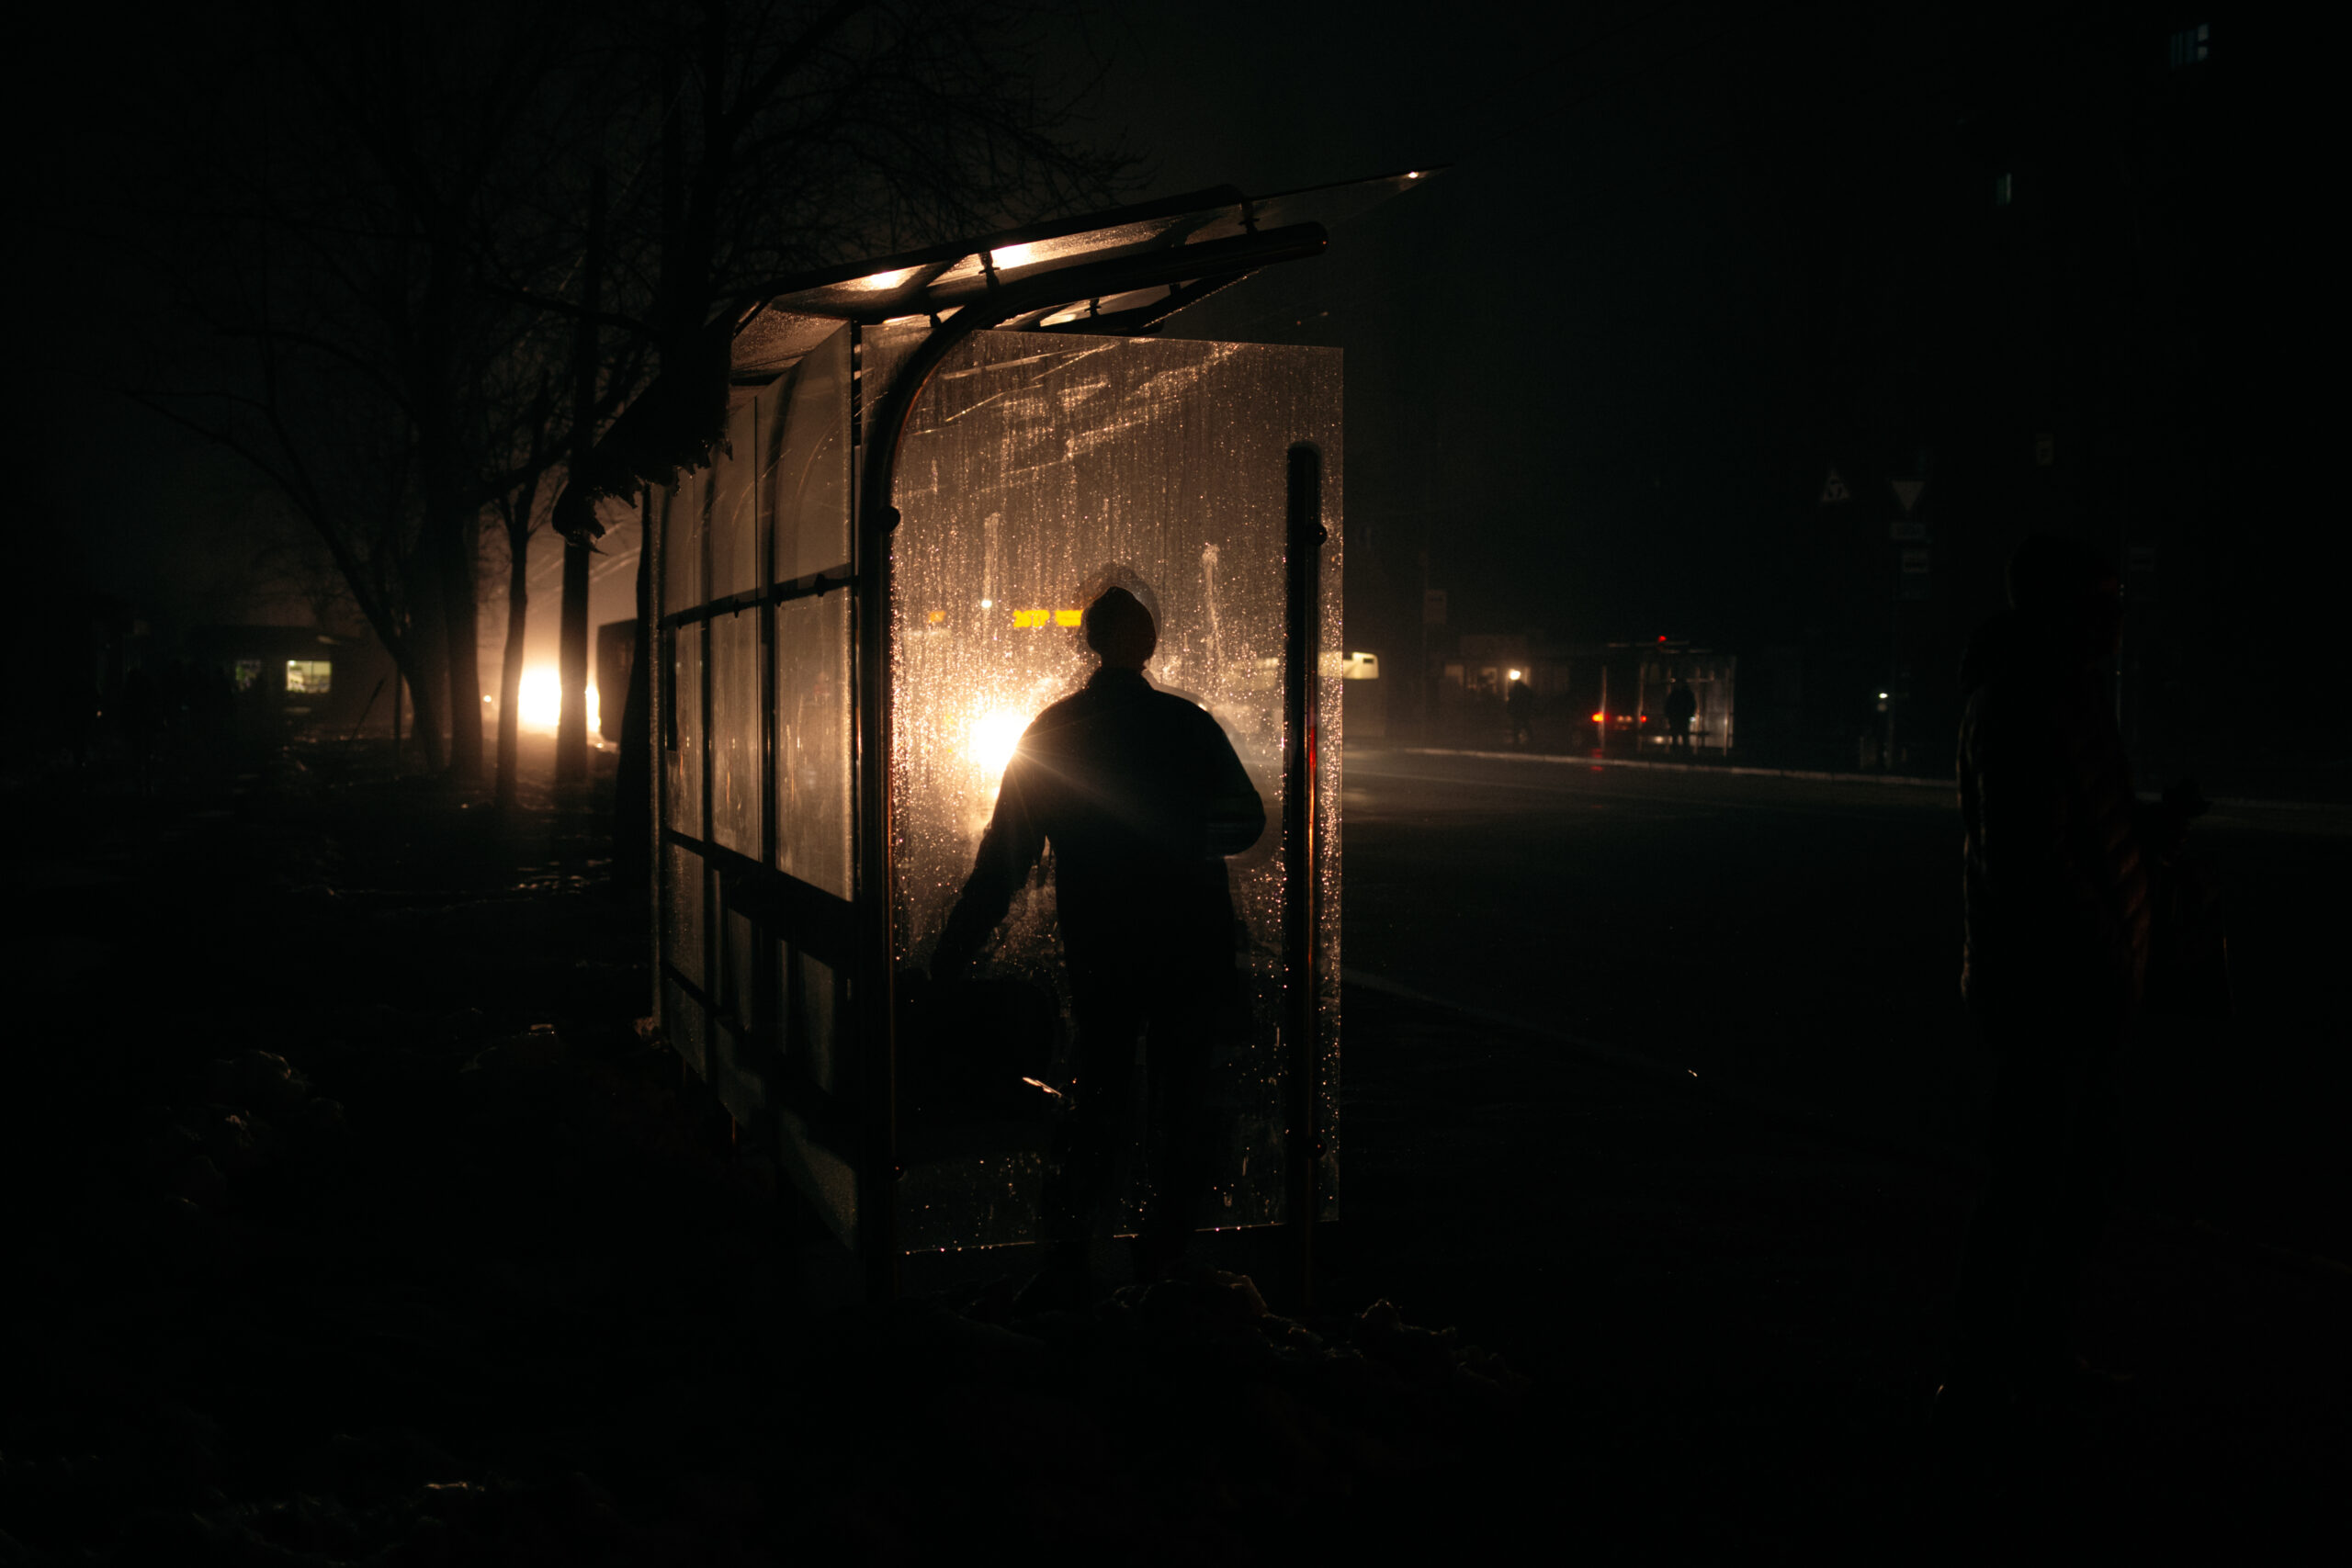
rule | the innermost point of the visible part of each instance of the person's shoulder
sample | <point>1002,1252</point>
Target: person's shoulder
<point>1175,708</point>
<point>1061,713</point>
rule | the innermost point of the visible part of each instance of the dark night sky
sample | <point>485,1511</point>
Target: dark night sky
<point>1569,355</point>
<point>1600,365</point>
<point>1543,251</point>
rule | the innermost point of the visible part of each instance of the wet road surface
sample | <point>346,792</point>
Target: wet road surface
<point>1796,941</point>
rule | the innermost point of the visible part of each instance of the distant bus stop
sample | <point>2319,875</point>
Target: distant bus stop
<point>930,461</point>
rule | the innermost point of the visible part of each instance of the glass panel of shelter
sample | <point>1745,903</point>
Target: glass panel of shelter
<point>1163,458</point>
<point>803,484</point>
<point>742,993</point>
<point>1034,472</point>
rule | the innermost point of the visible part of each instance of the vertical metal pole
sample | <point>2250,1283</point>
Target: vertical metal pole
<point>877,975</point>
<point>704,632</point>
<point>1301,903</point>
<point>1428,702</point>
<point>1894,661</point>
<point>650,656</point>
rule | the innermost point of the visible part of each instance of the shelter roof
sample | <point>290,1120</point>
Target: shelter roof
<point>798,312</point>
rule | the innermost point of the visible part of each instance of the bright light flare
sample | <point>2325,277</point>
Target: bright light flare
<point>1011,255</point>
<point>995,738</point>
<point>879,281</point>
<point>539,705</point>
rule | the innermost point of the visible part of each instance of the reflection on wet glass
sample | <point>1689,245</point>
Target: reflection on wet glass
<point>682,543</point>
<point>735,731</point>
<point>682,763</point>
<point>804,461</point>
<point>812,741</point>
<point>734,520</point>
<point>1036,472</point>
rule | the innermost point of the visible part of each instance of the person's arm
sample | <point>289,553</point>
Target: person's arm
<point>1008,849</point>
<point>1237,816</point>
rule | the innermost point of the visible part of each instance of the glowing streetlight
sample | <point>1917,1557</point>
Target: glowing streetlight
<point>995,738</point>
<point>538,704</point>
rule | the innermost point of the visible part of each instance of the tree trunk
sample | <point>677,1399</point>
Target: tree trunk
<point>571,725</point>
<point>461,628</point>
<point>571,661</point>
<point>428,678</point>
<point>509,672</point>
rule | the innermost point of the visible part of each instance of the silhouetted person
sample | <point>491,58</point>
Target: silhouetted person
<point>1142,799</point>
<point>2055,930</point>
<point>1682,707</point>
<point>1518,706</point>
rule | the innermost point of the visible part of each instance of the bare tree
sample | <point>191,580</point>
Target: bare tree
<point>771,137</point>
<point>786,136</point>
<point>386,218</point>
<point>328,221</point>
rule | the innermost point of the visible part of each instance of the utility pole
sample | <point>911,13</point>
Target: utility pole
<point>571,660</point>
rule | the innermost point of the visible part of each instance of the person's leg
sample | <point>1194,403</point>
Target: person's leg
<point>1179,1045</point>
<point>1085,1189</point>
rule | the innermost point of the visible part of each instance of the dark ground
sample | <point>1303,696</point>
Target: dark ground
<point>474,1278</point>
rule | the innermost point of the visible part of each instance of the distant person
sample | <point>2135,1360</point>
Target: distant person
<point>1682,707</point>
<point>2057,855</point>
<point>1142,797</point>
<point>1518,706</point>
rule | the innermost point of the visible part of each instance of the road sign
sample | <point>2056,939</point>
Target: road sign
<point>1907,492</point>
<point>1915,532</point>
<point>1912,582</point>
<point>1432,606</point>
<point>1834,490</point>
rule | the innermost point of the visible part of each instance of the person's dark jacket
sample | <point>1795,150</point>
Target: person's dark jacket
<point>1142,797</point>
<point>2055,885</point>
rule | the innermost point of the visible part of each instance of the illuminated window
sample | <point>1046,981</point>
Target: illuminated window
<point>309,677</point>
<point>243,674</point>
<point>2189,45</point>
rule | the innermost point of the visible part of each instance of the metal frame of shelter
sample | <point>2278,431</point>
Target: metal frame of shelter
<point>1120,274</point>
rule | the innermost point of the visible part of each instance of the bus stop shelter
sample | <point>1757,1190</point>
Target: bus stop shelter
<point>933,461</point>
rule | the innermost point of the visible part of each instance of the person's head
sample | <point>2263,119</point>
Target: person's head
<point>2065,590</point>
<point>1120,630</point>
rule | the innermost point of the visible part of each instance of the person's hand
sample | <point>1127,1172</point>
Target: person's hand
<point>950,966</point>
